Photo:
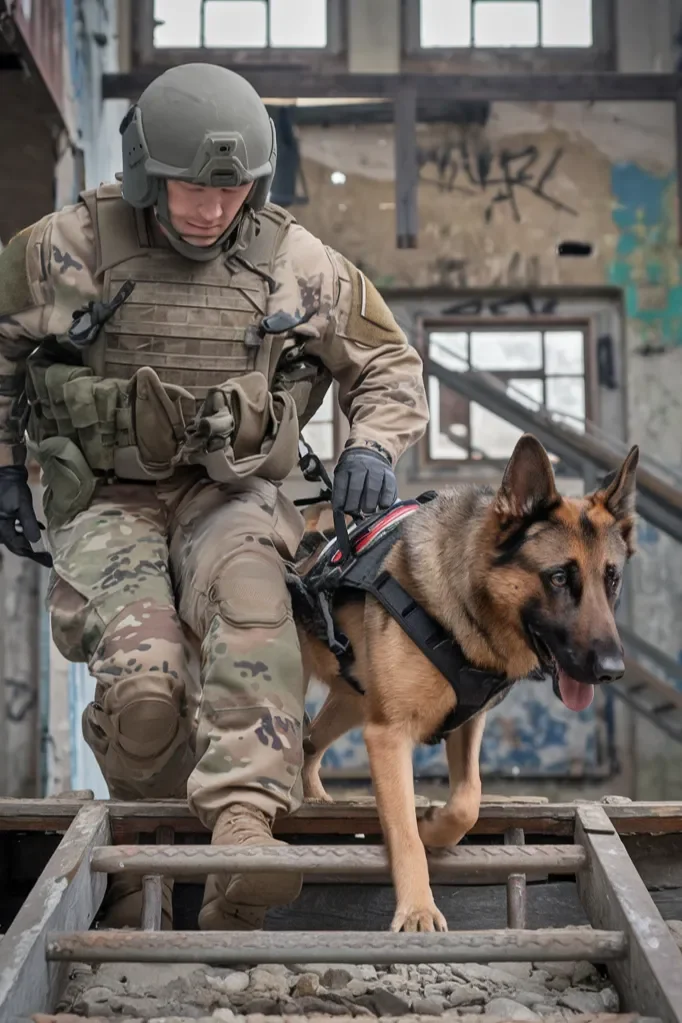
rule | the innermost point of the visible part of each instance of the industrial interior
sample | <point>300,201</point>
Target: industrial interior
<point>507,174</point>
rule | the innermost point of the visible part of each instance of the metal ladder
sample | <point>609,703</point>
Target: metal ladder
<point>51,930</point>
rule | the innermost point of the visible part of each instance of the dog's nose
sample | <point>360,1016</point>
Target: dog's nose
<point>608,667</point>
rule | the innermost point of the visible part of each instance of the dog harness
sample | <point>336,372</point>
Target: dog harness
<point>352,564</point>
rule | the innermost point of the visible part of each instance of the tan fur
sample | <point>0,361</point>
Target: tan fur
<point>444,561</point>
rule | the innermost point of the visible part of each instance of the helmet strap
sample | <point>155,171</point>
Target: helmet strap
<point>230,241</point>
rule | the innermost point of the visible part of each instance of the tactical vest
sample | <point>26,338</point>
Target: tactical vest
<point>182,373</point>
<point>188,321</point>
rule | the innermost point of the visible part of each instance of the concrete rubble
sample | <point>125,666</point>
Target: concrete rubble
<point>469,992</point>
<point>547,991</point>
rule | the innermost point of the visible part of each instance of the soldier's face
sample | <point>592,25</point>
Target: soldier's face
<point>200,214</point>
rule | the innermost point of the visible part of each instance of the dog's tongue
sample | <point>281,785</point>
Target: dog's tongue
<point>576,695</point>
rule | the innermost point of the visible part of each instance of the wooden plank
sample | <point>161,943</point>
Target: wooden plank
<point>341,818</point>
<point>219,947</point>
<point>482,863</point>
<point>67,894</point>
<point>515,88</point>
<point>406,168</point>
<point>614,896</point>
<point>370,907</point>
<point>658,859</point>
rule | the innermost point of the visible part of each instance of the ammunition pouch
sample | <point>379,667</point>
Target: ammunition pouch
<point>68,479</point>
<point>244,429</point>
<point>141,429</point>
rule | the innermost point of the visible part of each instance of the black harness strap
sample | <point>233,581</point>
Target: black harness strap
<point>343,568</point>
<point>474,688</point>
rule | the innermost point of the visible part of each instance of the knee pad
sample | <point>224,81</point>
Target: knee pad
<point>146,715</point>
<point>249,587</point>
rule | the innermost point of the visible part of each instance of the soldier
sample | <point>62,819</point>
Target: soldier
<point>162,342</point>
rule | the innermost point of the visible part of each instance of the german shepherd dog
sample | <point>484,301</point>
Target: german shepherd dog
<point>527,583</point>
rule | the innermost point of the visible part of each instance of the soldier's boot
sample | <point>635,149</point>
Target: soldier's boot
<point>122,905</point>
<point>239,902</point>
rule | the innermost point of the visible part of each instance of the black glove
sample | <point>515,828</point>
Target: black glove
<point>363,482</point>
<point>16,503</point>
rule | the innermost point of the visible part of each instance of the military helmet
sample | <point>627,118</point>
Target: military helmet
<point>203,124</point>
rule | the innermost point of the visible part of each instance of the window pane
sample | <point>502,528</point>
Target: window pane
<point>233,23</point>
<point>320,436</point>
<point>181,23</point>
<point>448,431</point>
<point>567,395</point>
<point>564,352</point>
<point>449,350</point>
<point>503,23</point>
<point>445,23</point>
<point>491,437</point>
<point>567,22</point>
<point>526,392</point>
<point>298,23</point>
<point>506,350</point>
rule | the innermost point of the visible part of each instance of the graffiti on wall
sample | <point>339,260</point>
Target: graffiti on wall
<point>647,264</point>
<point>498,174</point>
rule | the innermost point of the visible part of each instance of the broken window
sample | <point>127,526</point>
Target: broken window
<point>241,24</point>
<point>540,368</point>
<point>500,24</point>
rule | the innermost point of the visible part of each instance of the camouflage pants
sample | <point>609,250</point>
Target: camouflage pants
<point>174,594</point>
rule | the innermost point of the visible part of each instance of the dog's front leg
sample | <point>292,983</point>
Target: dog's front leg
<point>447,825</point>
<point>390,757</point>
<point>342,710</point>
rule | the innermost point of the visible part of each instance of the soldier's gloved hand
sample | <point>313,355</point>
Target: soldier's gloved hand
<point>363,482</point>
<point>16,504</point>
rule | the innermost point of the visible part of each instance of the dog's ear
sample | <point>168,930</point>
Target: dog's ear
<point>528,485</point>
<point>618,495</point>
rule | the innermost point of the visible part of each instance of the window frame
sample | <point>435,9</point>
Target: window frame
<point>427,465</point>
<point>601,56</point>
<point>145,53</point>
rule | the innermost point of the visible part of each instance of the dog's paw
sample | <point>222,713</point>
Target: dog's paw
<point>419,918</point>
<point>314,791</point>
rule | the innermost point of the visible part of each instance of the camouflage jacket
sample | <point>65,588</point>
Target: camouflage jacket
<point>50,269</point>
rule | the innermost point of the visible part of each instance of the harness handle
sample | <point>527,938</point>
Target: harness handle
<point>341,531</point>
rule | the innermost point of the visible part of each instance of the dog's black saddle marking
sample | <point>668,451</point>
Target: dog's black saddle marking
<point>331,579</point>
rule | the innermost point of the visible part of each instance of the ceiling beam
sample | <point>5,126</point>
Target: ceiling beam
<point>291,83</point>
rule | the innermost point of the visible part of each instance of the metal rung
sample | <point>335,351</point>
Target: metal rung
<point>484,862</point>
<point>377,947</point>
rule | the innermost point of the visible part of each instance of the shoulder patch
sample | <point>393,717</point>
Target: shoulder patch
<point>15,290</point>
<point>370,321</point>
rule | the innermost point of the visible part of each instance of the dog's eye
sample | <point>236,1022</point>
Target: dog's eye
<point>612,576</point>
<point>558,578</point>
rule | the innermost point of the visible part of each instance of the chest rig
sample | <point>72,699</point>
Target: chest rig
<point>343,570</point>
<point>194,324</point>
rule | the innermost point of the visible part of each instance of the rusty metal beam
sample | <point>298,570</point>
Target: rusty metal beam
<point>343,817</point>
<point>478,862</point>
<point>219,947</point>
<point>299,82</point>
